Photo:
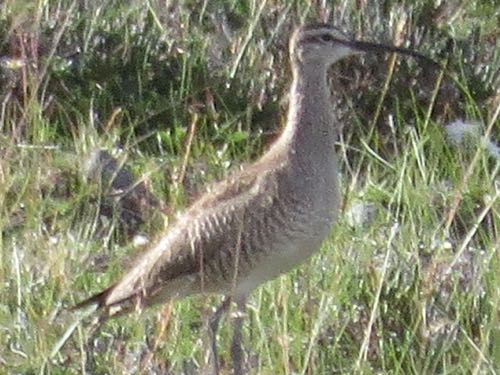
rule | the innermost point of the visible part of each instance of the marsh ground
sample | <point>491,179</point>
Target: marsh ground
<point>183,92</point>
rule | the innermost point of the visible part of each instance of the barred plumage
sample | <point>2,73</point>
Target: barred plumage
<point>266,219</point>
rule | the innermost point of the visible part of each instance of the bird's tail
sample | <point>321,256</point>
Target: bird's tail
<point>97,301</point>
<point>100,303</point>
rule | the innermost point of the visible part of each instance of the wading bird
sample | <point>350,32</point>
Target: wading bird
<point>262,221</point>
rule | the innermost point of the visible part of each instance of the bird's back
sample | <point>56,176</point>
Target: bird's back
<point>248,229</point>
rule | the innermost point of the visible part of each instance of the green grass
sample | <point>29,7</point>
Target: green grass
<point>380,297</point>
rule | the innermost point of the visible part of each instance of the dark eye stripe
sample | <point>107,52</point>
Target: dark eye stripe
<point>319,38</point>
<point>326,38</point>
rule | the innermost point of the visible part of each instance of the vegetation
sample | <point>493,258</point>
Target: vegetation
<point>183,92</point>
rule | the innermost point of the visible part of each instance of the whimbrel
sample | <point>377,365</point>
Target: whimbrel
<point>264,220</point>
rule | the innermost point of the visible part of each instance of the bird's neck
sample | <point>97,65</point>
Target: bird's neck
<point>310,129</point>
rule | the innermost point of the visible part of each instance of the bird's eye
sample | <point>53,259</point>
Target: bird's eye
<point>326,38</point>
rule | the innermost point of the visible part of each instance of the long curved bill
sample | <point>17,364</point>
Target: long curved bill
<point>376,47</point>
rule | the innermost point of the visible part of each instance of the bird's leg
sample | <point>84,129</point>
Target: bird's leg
<point>213,327</point>
<point>236,345</point>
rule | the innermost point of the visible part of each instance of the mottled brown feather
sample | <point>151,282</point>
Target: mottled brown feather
<point>262,221</point>
<point>190,254</point>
